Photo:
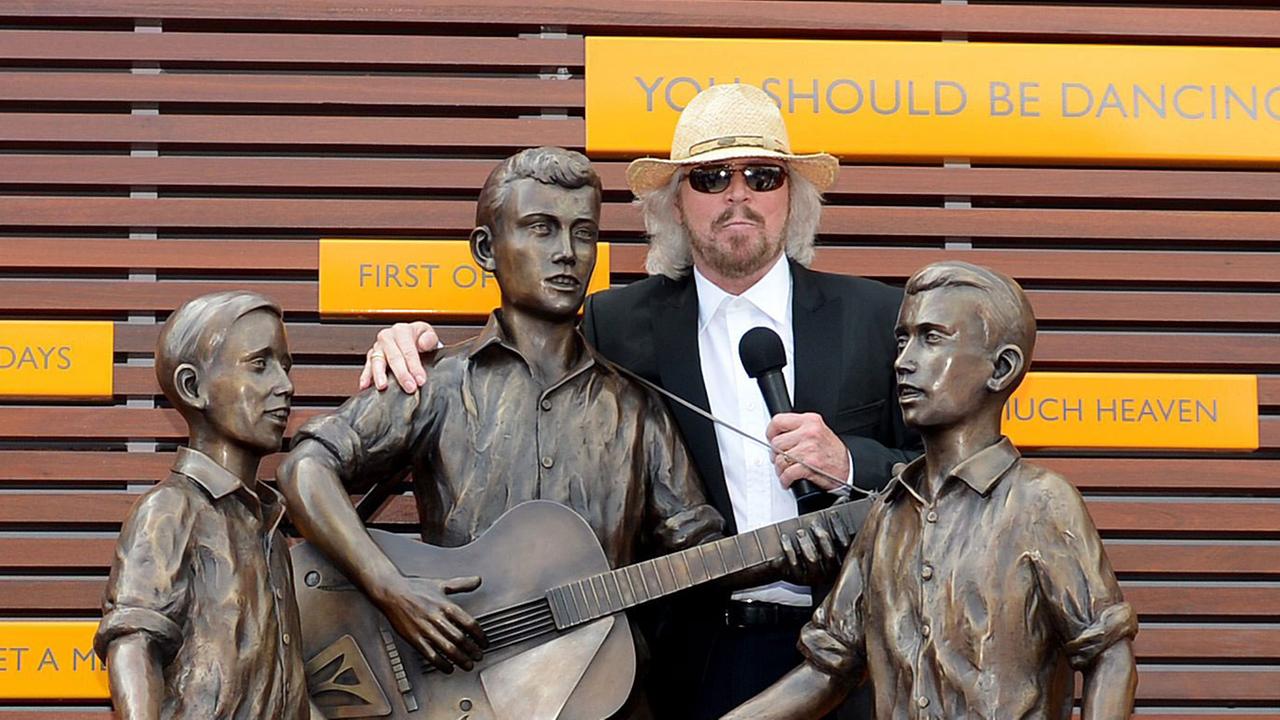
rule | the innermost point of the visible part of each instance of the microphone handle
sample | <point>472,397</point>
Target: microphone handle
<point>773,386</point>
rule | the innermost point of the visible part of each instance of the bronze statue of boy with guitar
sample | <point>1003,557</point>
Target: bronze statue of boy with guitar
<point>524,411</point>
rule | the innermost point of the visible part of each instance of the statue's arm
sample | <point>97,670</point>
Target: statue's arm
<point>805,692</point>
<point>322,512</point>
<point>1109,685</point>
<point>137,680</point>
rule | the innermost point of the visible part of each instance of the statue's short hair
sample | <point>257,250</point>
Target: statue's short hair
<point>548,165</point>
<point>194,332</point>
<point>1007,319</point>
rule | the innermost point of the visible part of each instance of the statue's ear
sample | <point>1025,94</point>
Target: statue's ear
<point>186,379</point>
<point>482,248</point>
<point>1008,368</point>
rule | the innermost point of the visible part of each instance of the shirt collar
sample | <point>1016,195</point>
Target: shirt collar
<point>771,294</point>
<point>494,334</point>
<point>220,482</point>
<point>215,479</point>
<point>981,471</point>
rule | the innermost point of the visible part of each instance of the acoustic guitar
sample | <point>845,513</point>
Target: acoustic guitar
<point>552,609</point>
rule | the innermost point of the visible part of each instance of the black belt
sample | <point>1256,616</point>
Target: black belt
<point>755,613</point>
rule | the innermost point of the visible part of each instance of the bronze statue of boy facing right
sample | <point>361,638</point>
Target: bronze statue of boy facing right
<point>978,585</point>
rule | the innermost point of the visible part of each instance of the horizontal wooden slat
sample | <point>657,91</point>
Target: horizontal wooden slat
<point>891,264</point>
<point>188,47</point>
<point>1240,684</point>
<point>458,216</point>
<point>106,422</point>
<point>469,174</point>
<point>83,595</point>
<point>1203,643</point>
<point>86,467</point>
<point>70,553</point>
<point>1050,305</point>
<point>105,714</point>
<point>498,134</point>
<point>1154,474</point>
<point>1147,475</point>
<point>1196,517</point>
<point>331,90</point>
<point>773,18</point>
<point>1054,348</point>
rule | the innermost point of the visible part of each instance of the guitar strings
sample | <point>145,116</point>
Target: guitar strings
<point>511,625</point>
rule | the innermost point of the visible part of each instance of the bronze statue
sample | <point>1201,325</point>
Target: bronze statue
<point>978,585</point>
<point>525,411</point>
<point>199,618</point>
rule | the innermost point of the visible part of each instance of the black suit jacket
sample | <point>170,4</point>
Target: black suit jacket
<point>844,352</point>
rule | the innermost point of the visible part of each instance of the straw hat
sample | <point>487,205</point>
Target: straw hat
<point>727,122</point>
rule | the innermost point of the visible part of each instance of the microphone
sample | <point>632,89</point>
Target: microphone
<point>763,357</point>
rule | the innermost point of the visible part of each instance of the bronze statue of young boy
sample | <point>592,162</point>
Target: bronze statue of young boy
<point>199,617</point>
<point>978,584</point>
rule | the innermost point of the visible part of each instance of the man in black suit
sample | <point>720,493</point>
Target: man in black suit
<point>731,218</point>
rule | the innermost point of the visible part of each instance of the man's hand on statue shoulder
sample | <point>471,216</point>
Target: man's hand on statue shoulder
<point>804,436</point>
<point>398,348</point>
<point>420,610</point>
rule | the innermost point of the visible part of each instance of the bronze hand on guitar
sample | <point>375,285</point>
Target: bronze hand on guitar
<point>418,608</point>
<point>550,608</point>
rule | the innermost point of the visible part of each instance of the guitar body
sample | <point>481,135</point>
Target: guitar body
<point>359,668</point>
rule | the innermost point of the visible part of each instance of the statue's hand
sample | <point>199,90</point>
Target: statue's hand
<point>813,554</point>
<point>445,634</point>
<point>399,347</point>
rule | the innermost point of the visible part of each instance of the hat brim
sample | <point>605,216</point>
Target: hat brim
<point>645,175</point>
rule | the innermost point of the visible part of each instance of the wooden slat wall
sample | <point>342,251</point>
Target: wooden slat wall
<point>151,150</point>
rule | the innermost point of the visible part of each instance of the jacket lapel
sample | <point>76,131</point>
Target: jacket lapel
<point>817,324</point>
<point>680,368</point>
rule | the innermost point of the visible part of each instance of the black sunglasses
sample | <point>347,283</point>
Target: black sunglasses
<point>715,179</point>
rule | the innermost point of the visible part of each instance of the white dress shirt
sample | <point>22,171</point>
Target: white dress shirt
<point>755,491</point>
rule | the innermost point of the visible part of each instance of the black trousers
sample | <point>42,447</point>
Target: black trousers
<point>706,668</point>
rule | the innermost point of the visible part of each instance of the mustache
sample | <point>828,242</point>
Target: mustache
<point>741,212</point>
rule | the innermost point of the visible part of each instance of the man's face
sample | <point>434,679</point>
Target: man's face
<point>247,383</point>
<point>544,247</point>
<point>943,360</point>
<point>738,231</point>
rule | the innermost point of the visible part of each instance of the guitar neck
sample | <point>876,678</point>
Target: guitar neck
<point>599,595</point>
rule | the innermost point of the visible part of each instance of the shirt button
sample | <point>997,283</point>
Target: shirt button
<point>926,572</point>
<point>279,594</point>
<point>925,632</point>
<point>547,462</point>
<point>932,516</point>
<point>285,638</point>
<point>922,701</point>
<point>546,404</point>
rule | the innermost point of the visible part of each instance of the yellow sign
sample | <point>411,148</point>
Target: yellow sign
<point>56,359</point>
<point>879,100</point>
<point>1134,410</point>
<point>414,277</point>
<point>50,660</point>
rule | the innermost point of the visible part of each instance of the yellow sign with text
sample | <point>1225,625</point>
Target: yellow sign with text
<point>1134,410</point>
<point>414,277</point>
<point>56,359</point>
<point>50,660</point>
<point>881,100</point>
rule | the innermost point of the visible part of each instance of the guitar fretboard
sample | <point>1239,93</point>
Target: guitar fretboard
<point>593,597</point>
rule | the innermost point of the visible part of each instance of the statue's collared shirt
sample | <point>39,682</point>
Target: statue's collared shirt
<point>977,604</point>
<point>202,568</point>
<point>482,436</point>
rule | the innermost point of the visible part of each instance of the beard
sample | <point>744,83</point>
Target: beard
<point>738,252</point>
